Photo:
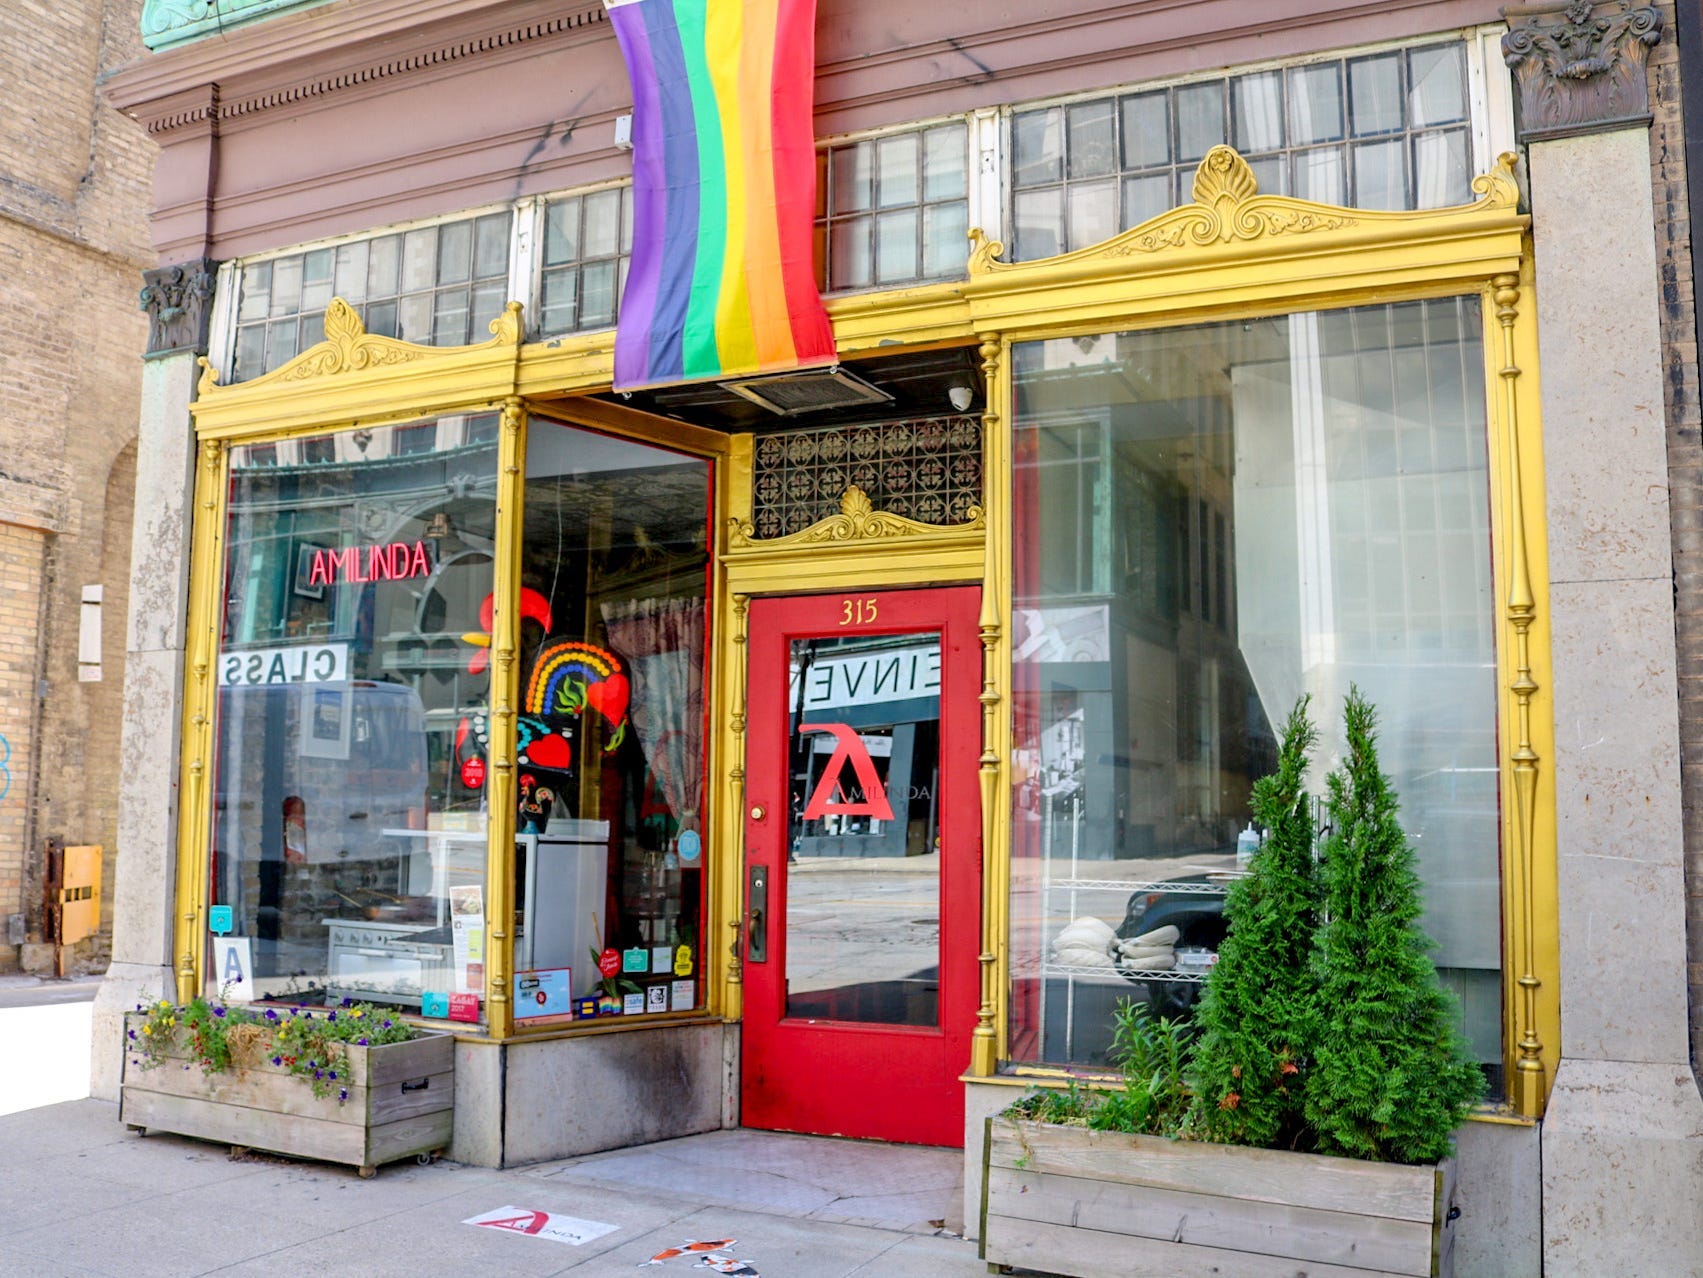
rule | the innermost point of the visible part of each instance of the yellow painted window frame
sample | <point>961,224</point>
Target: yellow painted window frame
<point>352,380</point>
<point>1234,253</point>
<point>1230,253</point>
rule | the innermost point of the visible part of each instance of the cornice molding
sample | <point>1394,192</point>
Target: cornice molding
<point>1579,67</point>
<point>296,57</point>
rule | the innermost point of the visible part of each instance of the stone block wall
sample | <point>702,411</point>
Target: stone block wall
<point>1674,261</point>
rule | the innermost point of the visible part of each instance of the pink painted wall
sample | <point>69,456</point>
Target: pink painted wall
<point>376,111</point>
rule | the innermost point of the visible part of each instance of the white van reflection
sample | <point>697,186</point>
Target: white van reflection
<point>309,779</point>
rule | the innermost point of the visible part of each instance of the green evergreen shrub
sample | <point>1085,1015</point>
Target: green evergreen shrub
<point>1323,1026</point>
<point>1391,1076</point>
<point>1254,1018</point>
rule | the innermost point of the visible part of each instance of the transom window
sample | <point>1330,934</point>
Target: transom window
<point>893,209</point>
<point>1386,130</point>
<point>436,285</point>
<point>588,240</point>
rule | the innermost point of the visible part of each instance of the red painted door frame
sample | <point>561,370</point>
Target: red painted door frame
<point>883,1082</point>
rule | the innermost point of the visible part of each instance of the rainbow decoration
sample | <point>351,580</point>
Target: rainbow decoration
<point>722,280</point>
<point>569,676</point>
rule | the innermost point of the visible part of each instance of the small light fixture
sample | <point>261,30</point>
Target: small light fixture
<point>440,527</point>
<point>961,396</point>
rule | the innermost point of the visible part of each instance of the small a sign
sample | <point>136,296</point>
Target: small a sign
<point>543,1224</point>
<point>633,1004</point>
<point>464,1007</point>
<point>609,962</point>
<point>683,961</point>
<point>585,1008</point>
<point>219,920</point>
<point>661,958</point>
<point>656,998</point>
<point>635,960</point>
<point>682,995</point>
<point>473,773</point>
<point>235,968</point>
<point>435,1006</point>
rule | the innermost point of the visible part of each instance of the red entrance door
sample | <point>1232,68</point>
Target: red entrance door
<point>863,863</point>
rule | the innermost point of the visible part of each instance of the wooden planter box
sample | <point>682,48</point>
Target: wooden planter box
<point>1066,1200</point>
<point>401,1101</point>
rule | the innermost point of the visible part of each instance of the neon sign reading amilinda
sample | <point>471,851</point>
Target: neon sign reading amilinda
<point>395,562</point>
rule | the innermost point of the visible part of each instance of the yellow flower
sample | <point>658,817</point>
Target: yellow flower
<point>147,1029</point>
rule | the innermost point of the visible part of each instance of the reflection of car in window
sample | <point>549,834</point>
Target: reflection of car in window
<point>1197,915</point>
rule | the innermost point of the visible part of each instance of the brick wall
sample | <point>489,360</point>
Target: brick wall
<point>75,189</point>
<point>22,561</point>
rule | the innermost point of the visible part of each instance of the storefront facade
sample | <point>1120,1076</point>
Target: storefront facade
<point>738,751</point>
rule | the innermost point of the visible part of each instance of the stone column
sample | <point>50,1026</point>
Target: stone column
<point>178,300</point>
<point>1622,1138</point>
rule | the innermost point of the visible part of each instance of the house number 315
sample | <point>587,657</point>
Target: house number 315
<point>857,612</point>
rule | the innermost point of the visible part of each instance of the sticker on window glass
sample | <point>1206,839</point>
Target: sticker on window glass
<point>689,845</point>
<point>835,795</point>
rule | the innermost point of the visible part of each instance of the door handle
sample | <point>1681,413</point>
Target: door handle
<point>757,915</point>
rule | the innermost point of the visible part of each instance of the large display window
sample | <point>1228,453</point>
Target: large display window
<point>348,841</point>
<point>1210,522</point>
<point>610,754</point>
<point>353,729</point>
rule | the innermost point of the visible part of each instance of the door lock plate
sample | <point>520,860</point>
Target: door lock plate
<point>757,915</point>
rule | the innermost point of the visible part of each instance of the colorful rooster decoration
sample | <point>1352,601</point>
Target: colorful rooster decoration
<point>565,678</point>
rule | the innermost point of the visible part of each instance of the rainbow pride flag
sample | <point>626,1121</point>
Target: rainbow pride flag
<point>722,281</point>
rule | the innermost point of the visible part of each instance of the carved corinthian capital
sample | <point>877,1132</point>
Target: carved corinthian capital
<point>1579,66</point>
<point>179,303</point>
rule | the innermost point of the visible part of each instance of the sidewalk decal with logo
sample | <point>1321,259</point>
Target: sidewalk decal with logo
<point>543,1224</point>
<point>710,1255</point>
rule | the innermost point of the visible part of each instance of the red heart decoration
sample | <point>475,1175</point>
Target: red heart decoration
<point>552,751</point>
<point>609,698</point>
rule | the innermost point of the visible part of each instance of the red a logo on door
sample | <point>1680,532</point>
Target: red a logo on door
<point>848,748</point>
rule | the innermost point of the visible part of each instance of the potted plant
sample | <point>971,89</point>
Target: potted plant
<point>1304,1121</point>
<point>354,1084</point>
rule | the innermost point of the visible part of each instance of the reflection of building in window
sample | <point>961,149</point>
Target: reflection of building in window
<point>342,678</point>
<point>865,708</point>
<point>1259,510</point>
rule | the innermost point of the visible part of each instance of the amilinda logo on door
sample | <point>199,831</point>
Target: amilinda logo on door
<point>848,749</point>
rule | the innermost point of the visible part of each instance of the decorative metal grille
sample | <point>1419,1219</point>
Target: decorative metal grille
<point>928,469</point>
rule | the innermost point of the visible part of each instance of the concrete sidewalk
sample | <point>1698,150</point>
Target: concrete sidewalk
<point>80,1195</point>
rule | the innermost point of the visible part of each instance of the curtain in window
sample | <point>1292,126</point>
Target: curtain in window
<point>662,641</point>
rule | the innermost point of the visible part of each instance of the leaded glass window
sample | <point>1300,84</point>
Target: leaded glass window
<point>893,209</point>
<point>1384,130</point>
<point>588,240</point>
<point>437,285</point>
